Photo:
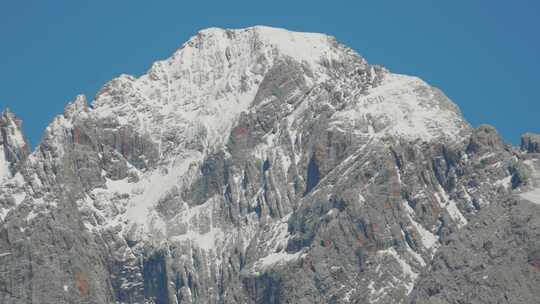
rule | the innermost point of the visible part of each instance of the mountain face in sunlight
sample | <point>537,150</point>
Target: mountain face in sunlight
<point>263,166</point>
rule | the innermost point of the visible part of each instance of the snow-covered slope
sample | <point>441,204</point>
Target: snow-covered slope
<point>202,89</point>
<point>212,78</point>
<point>403,106</point>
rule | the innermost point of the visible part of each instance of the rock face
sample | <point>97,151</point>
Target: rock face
<point>493,260</point>
<point>266,166</point>
<point>530,143</point>
<point>14,146</point>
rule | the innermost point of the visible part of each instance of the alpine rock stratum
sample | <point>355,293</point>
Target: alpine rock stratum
<point>260,165</point>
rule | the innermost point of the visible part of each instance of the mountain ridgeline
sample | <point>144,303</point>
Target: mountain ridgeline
<point>264,166</point>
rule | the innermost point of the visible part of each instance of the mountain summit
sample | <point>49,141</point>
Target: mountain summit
<point>219,74</point>
<point>261,165</point>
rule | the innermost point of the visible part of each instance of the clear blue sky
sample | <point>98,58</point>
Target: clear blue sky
<point>485,55</point>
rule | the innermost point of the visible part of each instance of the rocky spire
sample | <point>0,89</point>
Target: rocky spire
<point>76,106</point>
<point>15,147</point>
<point>530,142</point>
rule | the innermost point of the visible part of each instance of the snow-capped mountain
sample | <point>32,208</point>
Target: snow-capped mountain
<point>261,165</point>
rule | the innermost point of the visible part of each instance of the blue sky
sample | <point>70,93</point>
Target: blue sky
<point>485,55</point>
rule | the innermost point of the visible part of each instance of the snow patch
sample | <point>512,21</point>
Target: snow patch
<point>402,106</point>
<point>409,275</point>
<point>505,182</point>
<point>429,240</point>
<point>146,193</point>
<point>206,241</point>
<point>5,172</point>
<point>533,194</point>
<point>451,207</point>
<point>279,258</point>
<point>310,47</point>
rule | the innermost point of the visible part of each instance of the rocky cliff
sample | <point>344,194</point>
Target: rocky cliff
<point>266,166</point>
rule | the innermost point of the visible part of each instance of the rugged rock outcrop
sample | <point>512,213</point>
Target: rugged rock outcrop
<point>492,260</point>
<point>15,147</point>
<point>263,166</point>
<point>530,142</point>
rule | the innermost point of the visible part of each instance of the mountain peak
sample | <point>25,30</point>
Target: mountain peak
<point>241,158</point>
<point>216,75</point>
<point>76,106</point>
<point>301,46</point>
<point>201,90</point>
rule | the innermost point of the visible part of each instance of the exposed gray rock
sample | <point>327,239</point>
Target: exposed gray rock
<point>14,145</point>
<point>484,138</point>
<point>265,166</point>
<point>530,143</point>
<point>493,260</point>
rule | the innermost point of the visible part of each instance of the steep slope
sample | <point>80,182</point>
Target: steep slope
<point>496,258</point>
<point>253,166</point>
<point>13,145</point>
<point>13,151</point>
